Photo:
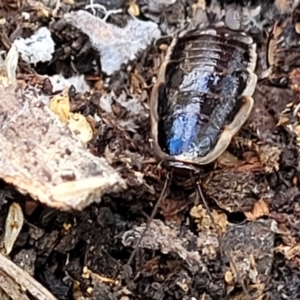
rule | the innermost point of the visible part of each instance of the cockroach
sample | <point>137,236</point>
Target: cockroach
<point>203,95</point>
<point>202,98</point>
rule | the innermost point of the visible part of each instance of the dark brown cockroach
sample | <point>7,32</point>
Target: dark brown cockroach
<point>203,95</point>
<point>202,98</point>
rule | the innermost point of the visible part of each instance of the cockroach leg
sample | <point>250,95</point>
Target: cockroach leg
<point>201,195</point>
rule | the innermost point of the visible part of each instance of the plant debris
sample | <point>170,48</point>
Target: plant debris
<point>16,282</point>
<point>56,170</point>
<point>160,236</point>
<point>13,226</point>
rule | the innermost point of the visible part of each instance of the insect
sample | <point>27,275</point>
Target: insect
<point>202,98</point>
<point>203,95</point>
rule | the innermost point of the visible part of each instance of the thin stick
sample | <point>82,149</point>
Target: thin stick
<point>154,211</point>
<point>222,249</point>
<point>23,282</point>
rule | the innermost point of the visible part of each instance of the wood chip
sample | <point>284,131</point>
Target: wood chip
<point>40,156</point>
<point>16,282</point>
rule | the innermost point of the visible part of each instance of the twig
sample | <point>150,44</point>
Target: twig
<point>21,280</point>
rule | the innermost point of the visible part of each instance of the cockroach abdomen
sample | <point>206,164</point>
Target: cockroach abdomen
<point>203,94</point>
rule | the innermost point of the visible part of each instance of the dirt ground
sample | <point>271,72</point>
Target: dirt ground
<point>252,190</point>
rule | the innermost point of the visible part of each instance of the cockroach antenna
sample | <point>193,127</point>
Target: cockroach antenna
<point>154,211</point>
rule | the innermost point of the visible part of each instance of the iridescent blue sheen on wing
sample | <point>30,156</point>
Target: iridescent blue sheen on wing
<point>204,81</point>
<point>184,129</point>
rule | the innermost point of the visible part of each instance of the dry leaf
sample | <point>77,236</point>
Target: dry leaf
<point>290,252</point>
<point>204,222</point>
<point>8,72</point>
<point>80,127</point>
<point>256,291</point>
<point>201,4</point>
<point>282,121</point>
<point>13,226</point>
<point>87,273</point>
<point>229,160</point>
<point>229,277</point>
<point>269,157</point>
<point>60,105</point>
<point>260,209</point>
<point>133,9</point>
<point>208,236</point>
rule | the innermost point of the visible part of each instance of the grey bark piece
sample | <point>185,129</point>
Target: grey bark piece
<point>116,45</point>
<point>41,157</point>
<point>167,239</point>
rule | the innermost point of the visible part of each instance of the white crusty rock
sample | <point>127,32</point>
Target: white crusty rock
<point>38,48</point>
